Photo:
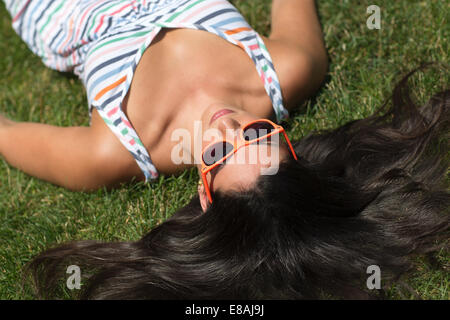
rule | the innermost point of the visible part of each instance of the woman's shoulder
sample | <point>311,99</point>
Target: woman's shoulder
<point>298,70</point>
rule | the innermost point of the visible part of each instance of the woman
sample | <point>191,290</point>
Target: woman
<point>368,193</point>
<point>139,97</point>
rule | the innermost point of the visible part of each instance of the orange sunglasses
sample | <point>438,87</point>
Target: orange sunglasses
<point>218,151</point>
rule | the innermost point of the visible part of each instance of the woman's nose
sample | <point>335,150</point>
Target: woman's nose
<point>229,127</point>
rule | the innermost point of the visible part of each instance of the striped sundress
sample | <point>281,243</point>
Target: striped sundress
<point>102,41</point>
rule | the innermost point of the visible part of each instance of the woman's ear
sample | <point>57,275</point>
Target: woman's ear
<point>203,197</point>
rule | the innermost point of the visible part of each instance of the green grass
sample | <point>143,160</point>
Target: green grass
<point>364,66</point>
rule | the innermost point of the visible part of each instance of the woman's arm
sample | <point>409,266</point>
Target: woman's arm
<point>296,22</point>
<point>77,158</point>
<point>297,48</point>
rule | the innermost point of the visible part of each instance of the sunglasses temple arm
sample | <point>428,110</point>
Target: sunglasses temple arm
<point>205,184</point>
<point>290,145</point>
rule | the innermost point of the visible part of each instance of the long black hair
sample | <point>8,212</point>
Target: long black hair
<point>372,192</point>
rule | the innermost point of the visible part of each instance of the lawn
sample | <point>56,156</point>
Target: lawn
<point>364,66</point>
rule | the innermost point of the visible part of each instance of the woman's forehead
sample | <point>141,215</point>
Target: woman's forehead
<point>242,169</point>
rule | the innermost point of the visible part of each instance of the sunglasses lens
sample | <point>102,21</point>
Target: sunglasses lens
<point>216,152</point>
<point>257,130</point>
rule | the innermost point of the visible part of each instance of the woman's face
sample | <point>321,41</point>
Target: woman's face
<point>241,170</point>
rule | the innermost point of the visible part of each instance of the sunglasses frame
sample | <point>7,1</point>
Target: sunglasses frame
<point>237,145</point>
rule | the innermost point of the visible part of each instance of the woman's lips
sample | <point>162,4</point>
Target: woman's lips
<point>219,114</point>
